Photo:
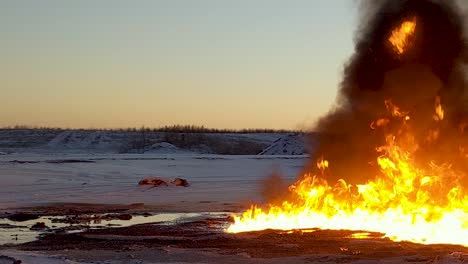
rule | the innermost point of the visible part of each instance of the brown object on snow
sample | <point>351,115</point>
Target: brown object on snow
<point>180,182</point>
<point>156,182</point>
<point>153,182</point>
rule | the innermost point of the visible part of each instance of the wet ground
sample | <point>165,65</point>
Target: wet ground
<point>27,224</point>
<point>167,225</point>
<point>101,237</point>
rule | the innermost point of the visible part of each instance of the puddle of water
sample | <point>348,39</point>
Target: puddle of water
<point>20,232</point>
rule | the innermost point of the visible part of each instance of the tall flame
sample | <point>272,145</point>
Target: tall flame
<point>404,201</point>
<point>400,36</point>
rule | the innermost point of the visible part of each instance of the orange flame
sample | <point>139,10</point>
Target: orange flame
<point>439,111</point>
<point>322,164</point>
<point>395,110</point>
<point>400,36</point>
<point>404,201</point>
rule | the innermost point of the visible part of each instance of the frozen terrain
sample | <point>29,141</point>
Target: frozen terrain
<point>168,224</point>
<point>291,144</point>
<point>32,179</point>
<point>186,256</point>
<point>136,142</point>
<point>50,141</point>
<point>183,225</point>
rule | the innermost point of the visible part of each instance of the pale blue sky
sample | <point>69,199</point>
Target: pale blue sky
<point>218,63</point>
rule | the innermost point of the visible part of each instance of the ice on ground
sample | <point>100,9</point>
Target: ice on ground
<point>34,258</point>
<point>185,256</point>
<point>32,179</point>
<point>13,232</point>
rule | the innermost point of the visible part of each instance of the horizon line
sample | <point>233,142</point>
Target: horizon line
<point>196,128</point>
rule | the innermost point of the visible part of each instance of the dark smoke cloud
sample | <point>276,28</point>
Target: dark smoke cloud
<point>433,66</point>
<point>274,189</point>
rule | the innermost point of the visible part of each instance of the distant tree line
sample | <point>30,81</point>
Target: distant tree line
<point>168,129</point>
<point>26,127</point>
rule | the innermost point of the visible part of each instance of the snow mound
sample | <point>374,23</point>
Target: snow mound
<point>80,140</point>
<point>292,144</point>
<point>132,142</point>
<point>164,148</point>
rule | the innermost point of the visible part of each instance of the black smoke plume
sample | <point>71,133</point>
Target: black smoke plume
<point>433,66</point>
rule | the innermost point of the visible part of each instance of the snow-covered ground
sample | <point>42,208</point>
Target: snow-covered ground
<point>190,256</point>
<point>32,179</point>
<point>218,183</point>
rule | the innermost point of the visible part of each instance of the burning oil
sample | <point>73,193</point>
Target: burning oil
<point>392,155</point>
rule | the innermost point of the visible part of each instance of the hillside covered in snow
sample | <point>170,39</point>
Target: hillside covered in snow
<point>151,142</point>
<point>292,144</point>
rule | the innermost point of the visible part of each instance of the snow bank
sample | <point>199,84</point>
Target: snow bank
<point>136,142</point>
<point>80,140</point>
<point>165,148</point>
<point>292,144</point>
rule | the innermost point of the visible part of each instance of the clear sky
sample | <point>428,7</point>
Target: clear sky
<point>218,63</point>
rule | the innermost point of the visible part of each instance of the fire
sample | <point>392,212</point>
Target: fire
<point>404,201</point>
<point>439,111</point>
<point>401,35</point>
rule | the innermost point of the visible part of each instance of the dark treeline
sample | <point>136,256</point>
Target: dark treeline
<point>170,129</point>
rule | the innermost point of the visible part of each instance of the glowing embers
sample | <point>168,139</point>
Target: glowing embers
<point>400,37</point>
<point>422,204</point>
